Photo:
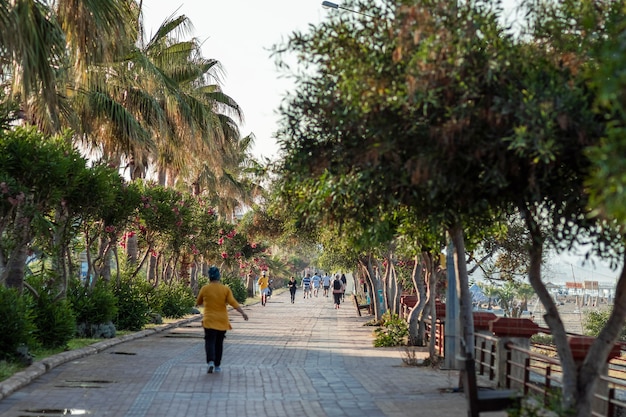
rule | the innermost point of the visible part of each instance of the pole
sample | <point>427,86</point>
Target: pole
<point>452,328</point>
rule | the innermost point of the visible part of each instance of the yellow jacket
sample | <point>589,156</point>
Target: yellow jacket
<point>215,296</point>
<point>263,282</point>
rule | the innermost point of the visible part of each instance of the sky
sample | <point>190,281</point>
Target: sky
<point>239,34</point>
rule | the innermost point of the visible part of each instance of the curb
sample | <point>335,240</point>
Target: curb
<point>22,378</point>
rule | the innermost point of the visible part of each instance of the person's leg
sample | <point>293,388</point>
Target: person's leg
<point>337,297</point>
<point>219,346</point>
<point>209,346</point>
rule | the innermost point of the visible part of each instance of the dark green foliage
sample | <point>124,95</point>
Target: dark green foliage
<point>393,331</point>
<point>16,326</point>
<point>237,287</point>
<point>55,321</point>
<point>132,302</point>
<point>174,300</point>
<point>93,306</point>
<point>595,321</point>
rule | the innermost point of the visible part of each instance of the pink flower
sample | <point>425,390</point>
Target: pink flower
<point>224,255</point>
<point>220,241</point>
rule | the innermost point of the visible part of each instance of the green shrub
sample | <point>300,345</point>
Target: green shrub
<point>54,318</point>
<point>237,286</point>
<point>174,300</point>
<point>93,306</point>
<point>132,302</point>
<point>595,322</point>
<point>55,321</point>
<point>16,327</point>
<point>393,331</point>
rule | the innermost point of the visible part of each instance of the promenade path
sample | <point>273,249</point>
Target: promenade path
<point>302,359</point>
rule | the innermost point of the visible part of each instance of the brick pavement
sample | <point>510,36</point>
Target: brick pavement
<point>302,359</point>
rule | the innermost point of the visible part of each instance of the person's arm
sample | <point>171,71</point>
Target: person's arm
<point>243,313</point>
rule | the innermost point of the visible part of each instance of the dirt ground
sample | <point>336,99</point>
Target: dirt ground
<point>572,313</point>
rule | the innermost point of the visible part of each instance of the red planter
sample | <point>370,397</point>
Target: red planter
<point>580,346</point>
<point>482,319</point>
<point>512,327</point>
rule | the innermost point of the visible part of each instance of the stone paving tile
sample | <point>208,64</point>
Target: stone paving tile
<point>291,360</point>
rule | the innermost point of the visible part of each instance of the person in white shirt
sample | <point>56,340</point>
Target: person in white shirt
<point>316,282</point>
<point>326,283</point>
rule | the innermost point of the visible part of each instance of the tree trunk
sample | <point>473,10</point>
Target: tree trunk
<point>432,299</point>
<point>552,316</point>
<point>250,285</point>
<point>132,248</point>
<point>462,287</point>
<point>593,365</point>
<point>373,283</point>
<point>416,338</point>
<point>13,274</point>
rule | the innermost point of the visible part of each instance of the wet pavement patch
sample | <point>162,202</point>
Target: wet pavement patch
<point>184,335</point>
<point>49,412</point>
<point>84,384</point>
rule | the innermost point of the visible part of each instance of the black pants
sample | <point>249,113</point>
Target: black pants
<point>293,294</point>
<point>337,297</point>
<point>214,345</point>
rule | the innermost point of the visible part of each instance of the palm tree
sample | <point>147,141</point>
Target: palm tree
<point>46,44</point>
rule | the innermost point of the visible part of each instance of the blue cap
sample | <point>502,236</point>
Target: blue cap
<point>214,273</point>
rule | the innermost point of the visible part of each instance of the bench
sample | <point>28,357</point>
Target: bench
<point>358,306</point>
<point>480,399</point>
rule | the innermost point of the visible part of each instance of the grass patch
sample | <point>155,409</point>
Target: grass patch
<point>9,368</point>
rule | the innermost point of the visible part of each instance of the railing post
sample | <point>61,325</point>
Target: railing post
<point>518,332</point>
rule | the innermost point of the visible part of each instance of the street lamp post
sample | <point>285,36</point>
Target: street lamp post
<point>331,5</point>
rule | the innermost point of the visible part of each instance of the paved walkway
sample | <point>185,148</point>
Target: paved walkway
<point>302,359</point>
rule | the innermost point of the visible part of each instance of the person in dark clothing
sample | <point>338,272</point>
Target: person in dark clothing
<point>344,281</point>
<point>292,285</point>
<point>338,289</point>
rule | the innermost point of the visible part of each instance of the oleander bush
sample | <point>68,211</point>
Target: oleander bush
<point>174,300</point>
<point>133,307</point>
<point>53,315</point>
<point>17,326</point>
<point>95,307</point>
<point>237,286</point>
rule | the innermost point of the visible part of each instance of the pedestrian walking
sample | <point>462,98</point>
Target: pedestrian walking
<point>326,283</point>
<point>214,296</point>
<point>293,286</point>
<point>306,285</point>
<point>344,281</point>
<point>316,281</point>
<point>264,287</point>
<point>338,289</point>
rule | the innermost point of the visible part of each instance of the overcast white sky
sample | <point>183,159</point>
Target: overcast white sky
<point>239,34</point>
